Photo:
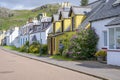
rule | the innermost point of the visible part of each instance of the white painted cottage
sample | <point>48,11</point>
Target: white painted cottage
<point>106,23</point>
<point>35,29</point>
<point>12,38</point>
<point>40,32</point>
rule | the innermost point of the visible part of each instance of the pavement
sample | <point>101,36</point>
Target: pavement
<point>91,68</point>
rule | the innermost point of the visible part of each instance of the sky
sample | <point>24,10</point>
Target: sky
<point>30,4</point>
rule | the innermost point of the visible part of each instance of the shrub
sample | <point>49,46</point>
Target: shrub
<point>65,53</point>
<point>85,43</point>
<point>101,53</point>
<point>44,49</point>
<point>22,49</point>
<point>25,47</point>
<point>34,47</point>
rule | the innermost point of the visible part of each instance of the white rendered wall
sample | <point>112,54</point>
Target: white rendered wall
<point>100,27</point>
<point>43,37</point>
<point>113,58</point>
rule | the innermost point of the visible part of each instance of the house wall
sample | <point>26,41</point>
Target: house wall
<point>60,37</point>
<point>99,27</point>
<point>13,37</point>
<point>43,37</point>
<point>22,40</point>
<point>113,57</point>
<point>7,40</point>
<point>47,31</point>
<point>67,23</point>
<point>88,26</point>
<point>78,20</point>
<point>57,26</point>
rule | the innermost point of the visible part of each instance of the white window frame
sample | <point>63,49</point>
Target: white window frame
<point>114,38</point>
<point>104,38</point>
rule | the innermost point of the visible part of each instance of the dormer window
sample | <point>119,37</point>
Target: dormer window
<point>116,3</point>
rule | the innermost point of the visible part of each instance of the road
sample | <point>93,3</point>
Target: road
<point>14,67</point>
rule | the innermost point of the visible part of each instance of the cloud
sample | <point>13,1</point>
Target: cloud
<point>30,4</point>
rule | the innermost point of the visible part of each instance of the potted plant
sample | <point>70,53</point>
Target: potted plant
<point>101,55</point>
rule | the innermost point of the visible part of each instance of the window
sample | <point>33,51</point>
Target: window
<point>105,37</point>
<point>117,38</point>
<point>111,38</point>
<point>114,38</point>
<point>72,23</point>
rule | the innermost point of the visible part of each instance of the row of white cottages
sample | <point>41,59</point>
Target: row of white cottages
<point>105,19</point>
<point>33,30</point>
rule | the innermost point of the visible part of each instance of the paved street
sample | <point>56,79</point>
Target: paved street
<point>14,67</point>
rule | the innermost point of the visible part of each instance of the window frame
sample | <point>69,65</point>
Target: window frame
<point>115,38</point>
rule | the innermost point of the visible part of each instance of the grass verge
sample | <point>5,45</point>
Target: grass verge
<point>12,48</point>
<point>58,57</point>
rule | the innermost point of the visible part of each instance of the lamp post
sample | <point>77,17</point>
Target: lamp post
<point>40,18</point>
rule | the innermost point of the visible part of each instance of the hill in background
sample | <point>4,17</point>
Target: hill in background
<point>11,18</point>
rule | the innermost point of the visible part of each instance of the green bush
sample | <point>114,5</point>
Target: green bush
<point>44,49</point>
<point>25,47</point>
<point>65,53</point>
<point>22,48</point>
<point>34,47</point>
<point>101,53</point>
<point>85,43</point>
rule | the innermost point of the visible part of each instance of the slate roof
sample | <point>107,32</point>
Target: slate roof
<point>107,11</point>
<point>95,3</point>
<point>80,9</point>
<point>114,22</point>
<point>55,17</point>
<point>46,19</point>
<point>97,6</point>
<point>64,14</point>
<point>51,29</point>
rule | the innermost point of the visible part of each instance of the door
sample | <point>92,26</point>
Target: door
<point>51,47</point>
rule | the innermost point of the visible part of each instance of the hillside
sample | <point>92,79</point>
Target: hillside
<point>10,18</point>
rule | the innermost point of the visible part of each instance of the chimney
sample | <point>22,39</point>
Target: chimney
<point>45,14</point>
<point>30,20</point>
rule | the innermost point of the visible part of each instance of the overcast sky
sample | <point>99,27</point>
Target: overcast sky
<point>30,4</point>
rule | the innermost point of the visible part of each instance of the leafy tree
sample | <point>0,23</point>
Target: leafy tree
<point>84,2</point>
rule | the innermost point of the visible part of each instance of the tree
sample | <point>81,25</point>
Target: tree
<point>84,2</point>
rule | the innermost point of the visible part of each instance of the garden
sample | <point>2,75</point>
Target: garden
<point>82,46</point>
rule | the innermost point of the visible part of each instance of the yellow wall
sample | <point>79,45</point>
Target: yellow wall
<point>88,26</point>
<point>67,23</point>
<point>78,20</point>
<point>61,37</point>
<point>57,26</point>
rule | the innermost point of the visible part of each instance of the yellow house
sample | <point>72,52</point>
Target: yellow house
<point>66,31</point>
<point>64,25</point>
<point>2,36</point>
<point>78,14</point>
<point>55,30</point>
